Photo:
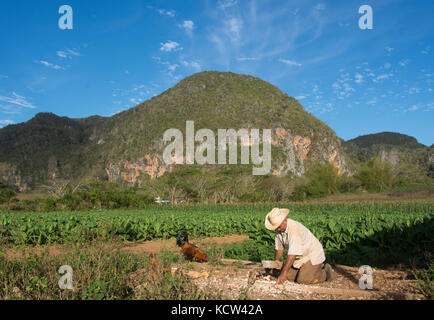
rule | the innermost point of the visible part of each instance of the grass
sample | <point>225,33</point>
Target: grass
<point>425,280</point>
<point>98,274</point>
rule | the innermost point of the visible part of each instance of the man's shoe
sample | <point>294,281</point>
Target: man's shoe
<point>331,275</point>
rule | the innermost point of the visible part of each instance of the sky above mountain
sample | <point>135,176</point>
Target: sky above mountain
<point>121,53</point>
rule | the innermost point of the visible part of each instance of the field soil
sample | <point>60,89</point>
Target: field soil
<point>154,246</point>
<point>236,278</point>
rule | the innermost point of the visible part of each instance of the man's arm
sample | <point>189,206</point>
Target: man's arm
<point>278,254</point>
<point>283,272</point>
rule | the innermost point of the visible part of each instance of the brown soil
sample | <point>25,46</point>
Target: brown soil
<point>233,277</point>
<point>158,245</point>
<point>154,246</point>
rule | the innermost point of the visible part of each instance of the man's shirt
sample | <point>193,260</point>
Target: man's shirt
<point>300,242</point>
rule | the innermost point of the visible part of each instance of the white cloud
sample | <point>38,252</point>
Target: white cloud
<point>134,100</point>
<point>6,122</point>
<point>404,63</point>
<point>50,65</point>
<point>68,53</point>
<point>17,100</point>
<point>300,97</point>
<point>412,108</point>
<point>382,77</point>
<point>223,4</point>
<point>169,13</point>
<point>426,50</point>
<point>358,77</point>
<point>320,6</point>
<point>347,87</point>
<point>191,64</point>
<point>387,65</point>
<point>10,109</point>
<point>173,67</point>
<point>290,62</point>
<point>170,46</point>
<point>188,26</point>
<point>246,59</point>
<point>413,90</point>
<point>233,29</point>
<point>389,49</point>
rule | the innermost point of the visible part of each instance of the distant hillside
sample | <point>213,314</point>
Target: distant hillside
<point>127,148</point>
<point>408,157</point>
<point>386,138</point>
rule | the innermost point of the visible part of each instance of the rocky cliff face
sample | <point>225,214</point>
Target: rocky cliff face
<point>303,151</point>
<point>148,167</point>
<point>300,153</point>
<point>10,175</point>
<point>127,148</point>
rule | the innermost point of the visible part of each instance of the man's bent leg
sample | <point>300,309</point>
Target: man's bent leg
<point>291,275</point>
<point>310,274</point>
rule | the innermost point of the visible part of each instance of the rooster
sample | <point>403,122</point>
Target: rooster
<point>190,250</point>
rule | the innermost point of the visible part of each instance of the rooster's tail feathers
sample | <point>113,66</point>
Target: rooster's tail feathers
<point>181,238</point>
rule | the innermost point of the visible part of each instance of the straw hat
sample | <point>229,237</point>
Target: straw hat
<point>275,217</point>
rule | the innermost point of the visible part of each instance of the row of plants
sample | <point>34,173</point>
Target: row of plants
<point>350,230</point>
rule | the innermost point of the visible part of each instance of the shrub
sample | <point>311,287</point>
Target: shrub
<point>376,175</point>
<point>6,193</point>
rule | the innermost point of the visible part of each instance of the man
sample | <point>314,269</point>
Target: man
<point>304,263</point>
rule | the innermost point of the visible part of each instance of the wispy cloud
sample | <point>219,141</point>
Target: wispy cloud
<point>188,26</point>
<point>412,108</point>
<point>358,78</point>
<point>389,50</point>
<point>404,63</point>
<point>223,4</point>
<point>382,77</point>
<point>163,12</point>
<point>6,122</point>
<point>429,106</point>
<point>413,90</point>
<point>169,13</point>
<point>233,29</point>
<point>426,50</point>
<point>246,59</point>
<point>191,64</point>
<point>172,67</point>
<point>170,46</point>
<point>50,65</point>
<point>291,63</point>
<point>68,53</point>
<point>3,76</point>
<point>17,100</point>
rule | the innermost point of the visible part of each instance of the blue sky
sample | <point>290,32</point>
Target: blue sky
<point>121,53</point>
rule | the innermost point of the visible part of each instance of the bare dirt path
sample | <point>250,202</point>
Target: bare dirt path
<point>232,277</point>
<point>154,246</point>
<point>158,245</point>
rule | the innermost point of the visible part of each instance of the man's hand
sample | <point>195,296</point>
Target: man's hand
<point>283,272</point>
<point>281,278</point>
